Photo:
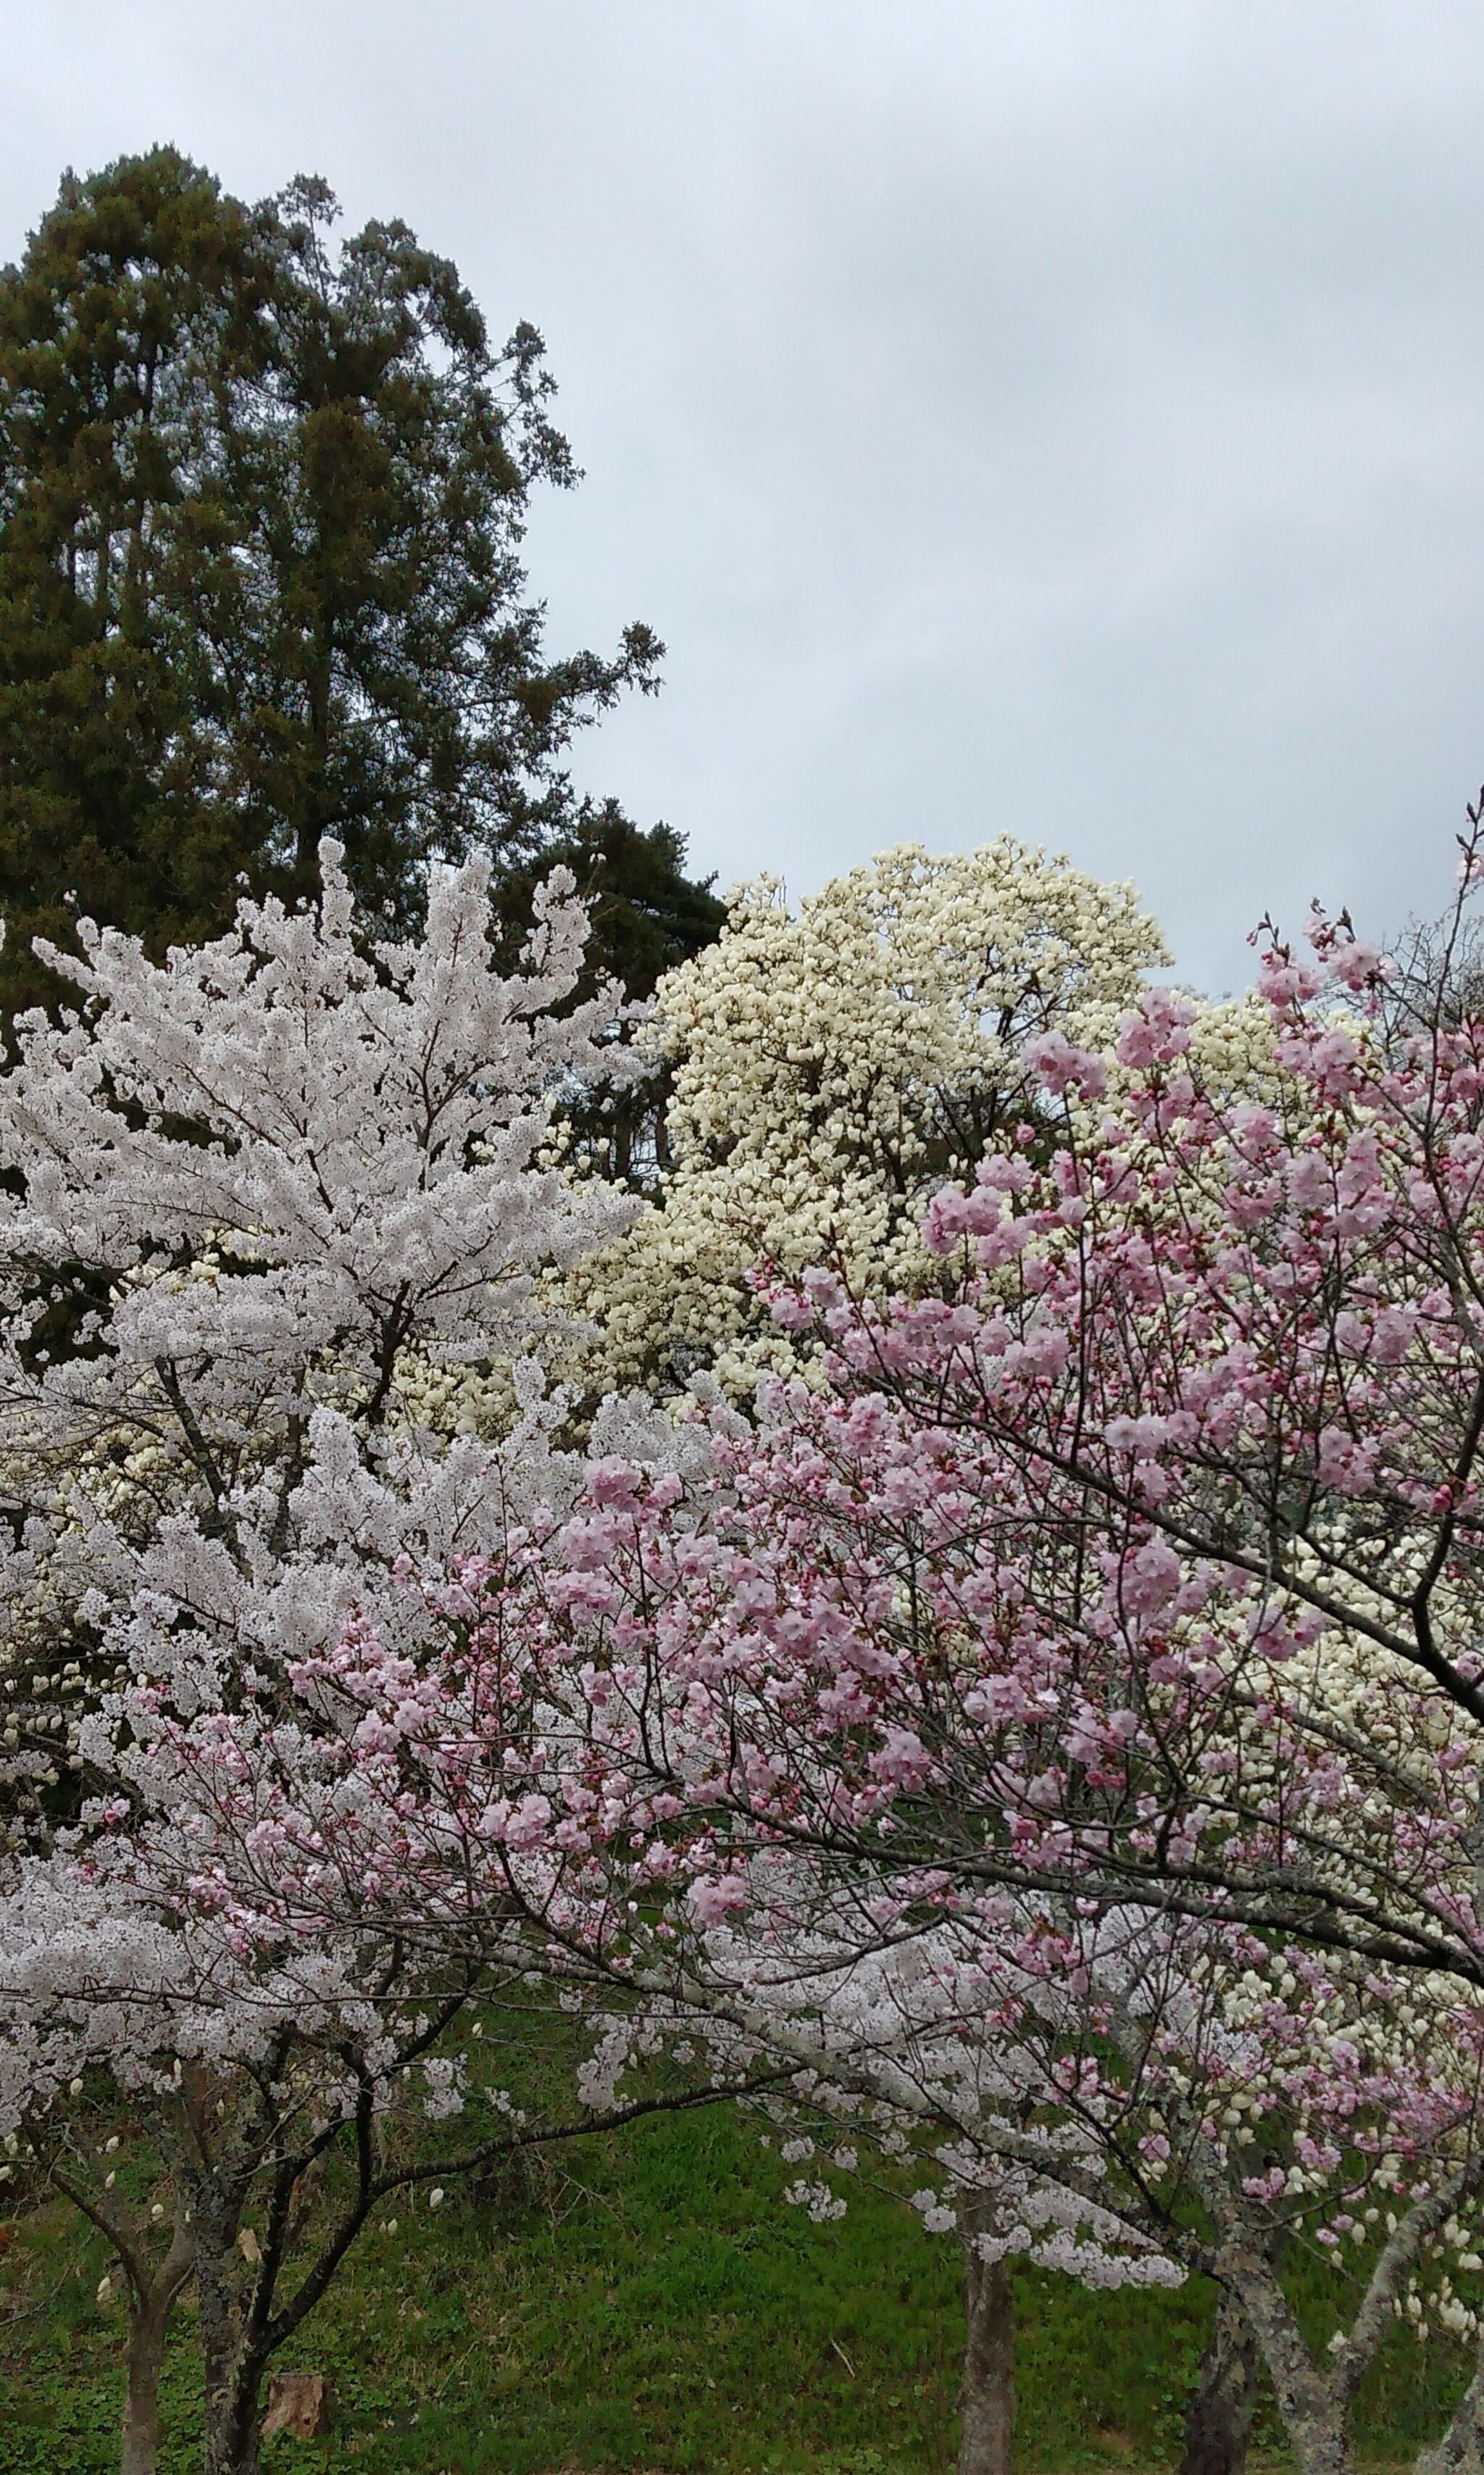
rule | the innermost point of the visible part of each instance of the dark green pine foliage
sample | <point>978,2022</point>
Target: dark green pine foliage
<point>646,916</point>
<point>261,509</point>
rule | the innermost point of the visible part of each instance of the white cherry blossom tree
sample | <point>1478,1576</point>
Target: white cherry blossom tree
<point>242,1190</point>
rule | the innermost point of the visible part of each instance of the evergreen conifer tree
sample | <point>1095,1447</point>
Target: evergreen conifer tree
<point>261,511</point>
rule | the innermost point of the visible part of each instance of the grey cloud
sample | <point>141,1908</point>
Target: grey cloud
<point>1061,417</point>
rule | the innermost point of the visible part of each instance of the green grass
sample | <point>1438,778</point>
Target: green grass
<point>651,2305</point>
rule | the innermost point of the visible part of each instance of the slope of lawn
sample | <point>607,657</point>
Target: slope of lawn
<point>650,2304</point>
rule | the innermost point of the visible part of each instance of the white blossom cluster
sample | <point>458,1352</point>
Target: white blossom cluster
<point>249,1186</point>
<point>828,1064</point>
<point>909,2043</point>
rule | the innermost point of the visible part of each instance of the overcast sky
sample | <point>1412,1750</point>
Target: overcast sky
<point>1063,418</point>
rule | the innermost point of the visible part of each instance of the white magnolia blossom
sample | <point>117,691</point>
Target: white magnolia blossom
<point>828,1064</point>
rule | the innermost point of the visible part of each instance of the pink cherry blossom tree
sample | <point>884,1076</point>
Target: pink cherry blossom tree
<point>1136,1579</point>
<point>1072,2068</point>
<point>529,1767</point>
<point>1142,1573</point>
<point>635,1708</point>
<point>780,1683</point>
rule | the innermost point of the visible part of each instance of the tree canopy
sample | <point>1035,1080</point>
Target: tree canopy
<point>262,502</point>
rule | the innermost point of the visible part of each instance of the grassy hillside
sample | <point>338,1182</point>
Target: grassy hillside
<point>649,2305</point>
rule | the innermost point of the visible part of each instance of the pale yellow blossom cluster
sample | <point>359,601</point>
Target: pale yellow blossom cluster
<point>831,1064</point>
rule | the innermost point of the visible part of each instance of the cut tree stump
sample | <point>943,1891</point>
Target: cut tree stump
<point>299,2405</point>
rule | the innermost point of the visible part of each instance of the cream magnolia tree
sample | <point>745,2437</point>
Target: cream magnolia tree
<point>829,1066</point>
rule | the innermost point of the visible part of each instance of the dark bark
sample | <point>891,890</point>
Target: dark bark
<point>1218,2425</point>
<point>987,2402</point>
<point>233,2369</point>
<point>234,2388</point>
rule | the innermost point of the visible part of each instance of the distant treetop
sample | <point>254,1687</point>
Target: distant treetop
<point>261,507</point>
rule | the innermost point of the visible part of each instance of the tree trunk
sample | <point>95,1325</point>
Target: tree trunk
<point>232,2417</point>
<point>234,2376</point>
<point>987,2399</point>
<point>1461,2450</point>
<point>1220,2420</point>
<point>1311,2406</point>
<point>144,2361</point>
<point>150,2307</point>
